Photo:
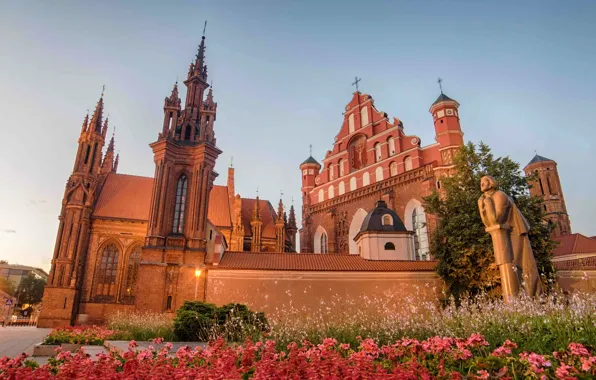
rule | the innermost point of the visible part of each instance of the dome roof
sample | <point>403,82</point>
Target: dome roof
<point>310,160</point>
<point>443,98</point>
<point>374,220</point>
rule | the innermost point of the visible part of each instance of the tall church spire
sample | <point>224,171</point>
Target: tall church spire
<point>97,118</point>
<point>107,166</point>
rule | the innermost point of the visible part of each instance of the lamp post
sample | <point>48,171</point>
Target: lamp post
<point>197,275</point>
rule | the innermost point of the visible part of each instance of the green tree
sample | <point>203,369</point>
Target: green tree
<point>30,290</point>
<point>460,244</point>
<point>7,286</point>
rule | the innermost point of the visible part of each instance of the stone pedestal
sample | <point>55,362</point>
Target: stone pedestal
<point>510,282</point>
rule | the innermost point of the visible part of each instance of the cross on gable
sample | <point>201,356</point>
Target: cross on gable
<point>356,81</point>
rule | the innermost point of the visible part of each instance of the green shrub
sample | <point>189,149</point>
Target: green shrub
<point>199,321</point>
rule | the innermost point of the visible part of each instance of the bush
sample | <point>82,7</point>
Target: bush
<point>199,321</point>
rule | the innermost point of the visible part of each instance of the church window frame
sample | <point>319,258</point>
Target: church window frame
<point>393,169</point>
<point>331,192</point>
<point>341,168</point>
<point>353,183</point>
<point>351,128</point>
<point>324,243</point>
<point>391,145</point>
<point>321,195</point>
<point>364,116</point>
<point>408,163</point>
<point>341,188</point>
<point>180,204</point>
<point>387,220</point>
<point>331,171</point>
<point>129,283</point>
<point>378,152</point>
<point>379,174</point>
<point>365,179</point>
<point>106,276</point>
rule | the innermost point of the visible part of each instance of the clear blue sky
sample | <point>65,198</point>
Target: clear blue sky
<point>523,72</point>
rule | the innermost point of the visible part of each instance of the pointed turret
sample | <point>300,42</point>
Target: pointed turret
<point>104,130</point>
<point>171,110</point>
<point>107,166</point>
<point>280,231</point>
<point>292,228</point>
<point>85,123</point>
<point>257,226</point>
<point>116,162</point>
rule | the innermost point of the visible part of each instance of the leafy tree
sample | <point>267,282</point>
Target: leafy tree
<point>7,286</point>
<point>30,290</point>
<point>460,244</point>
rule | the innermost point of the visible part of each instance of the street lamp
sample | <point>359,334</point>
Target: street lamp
<point>197,275</point>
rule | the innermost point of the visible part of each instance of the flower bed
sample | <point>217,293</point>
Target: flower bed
<point>78,335</point>
<point>440,358</point>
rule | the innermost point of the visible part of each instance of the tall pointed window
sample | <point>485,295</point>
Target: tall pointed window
<point>408,163</point>
<point>351,123</point>
<point>378,154</point>
<point>130,281</point>
<point>178,226</point>
<point>105,279</point>
<point>421,249</point>
<point>364,116</point>
<point>393,169</point>
<point>341,168</point>
<point>391,143</point>
<point>324,248</point>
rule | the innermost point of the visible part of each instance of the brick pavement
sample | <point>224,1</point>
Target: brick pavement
<point>14,340</point>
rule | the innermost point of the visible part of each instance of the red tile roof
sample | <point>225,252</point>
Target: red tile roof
<point>267,215</point>
<point>585,263</point>
<point>124,197</point>
<point>574,244</point>
<point>317,262</point>
<point>127,196</point>
<point>219,207</point>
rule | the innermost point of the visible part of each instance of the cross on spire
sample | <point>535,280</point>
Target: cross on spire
<point>440,81</point>
<point>232,162</point>
<point>356,80</point>
<point>281,194</point>
<point>204,27</point>
<point>310,147</point>
<point>103,89</point>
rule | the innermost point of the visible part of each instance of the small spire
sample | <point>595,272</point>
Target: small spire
<point>257,211</point>
<point>310,148</point>
<point>104,130</point>
<point>85,122</point>
<point>280,210</point>
<point>440,82</point>
<point>292,218</point>
<point>232,164</point>
<point>199,66</point>
<point>111,144</point>
<point>116,162</point>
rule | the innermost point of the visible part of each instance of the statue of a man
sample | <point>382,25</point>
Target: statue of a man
<point>509,231</point>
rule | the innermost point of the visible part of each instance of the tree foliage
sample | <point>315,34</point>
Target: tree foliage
<point>30,290</point>
<point>7,286</point>
<point>463,249</point>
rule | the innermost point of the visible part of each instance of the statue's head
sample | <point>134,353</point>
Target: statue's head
<point>488,183</point>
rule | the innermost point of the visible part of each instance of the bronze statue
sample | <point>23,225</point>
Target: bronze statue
<point>509,231</point>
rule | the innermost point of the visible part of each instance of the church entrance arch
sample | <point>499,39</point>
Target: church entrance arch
<point>355,225</point>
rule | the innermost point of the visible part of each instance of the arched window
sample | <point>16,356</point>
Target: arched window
<point>391,144</point>
<point>420,234</point>
<point>393,169</point>
<point>132,269</point>
<point>187,132</point>
<point>387,220</point>
<point>105,278</point>
<point>324,248</point>
<point>169,303</point>
<point>389,246</point>
<point>379,174</point>
<point>331,171</point>
<point>178,226</point>
<point>365,179</point>
<point>331,192</point>
<point>353,184</point>
<point>351,123</point>
<point>408,163</point>
<point>364,116</point>
<point>378,155</point>
<point>321,195</point>
<point>342,188</point>
<point>341,168</point>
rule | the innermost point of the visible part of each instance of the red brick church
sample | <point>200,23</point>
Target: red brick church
<point>127,243</point>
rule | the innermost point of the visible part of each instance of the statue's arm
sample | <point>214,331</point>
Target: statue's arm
<point>487,211</point>
<point>502,205</point>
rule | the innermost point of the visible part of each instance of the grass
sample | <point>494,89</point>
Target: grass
<point>141,326</point>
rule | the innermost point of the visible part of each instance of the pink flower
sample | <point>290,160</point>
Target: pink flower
<point>588,363</point>
<point>157,341</point>
<point>563,371</point>
<point>132,344</point>
<point>578,349</point>
<point>168,346</point>
<point>483,374</point>
<point>344,346</point>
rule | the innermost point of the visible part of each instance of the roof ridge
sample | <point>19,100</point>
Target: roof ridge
<point>129,175</point>
<point>575,242</point>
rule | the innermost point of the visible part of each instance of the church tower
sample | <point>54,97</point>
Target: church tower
<point>280,229</point>
<point>448,131</point>
<point>547,185</point>
<point>256,224</point>
<point>63,289</point>
<point>184,154</point>
<point>310,170</point>
<point>292,228</point>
